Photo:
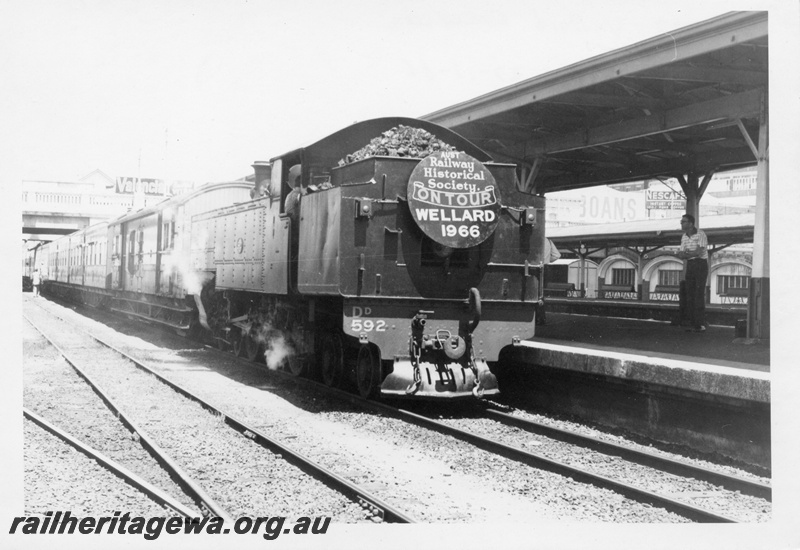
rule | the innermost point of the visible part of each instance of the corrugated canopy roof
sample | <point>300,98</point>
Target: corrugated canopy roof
<point>684,102</point>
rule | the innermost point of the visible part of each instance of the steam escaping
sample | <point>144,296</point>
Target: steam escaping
<point>180,261</point>
<point>191,279</point>
<point>276,348</point>
<point>277,352</point>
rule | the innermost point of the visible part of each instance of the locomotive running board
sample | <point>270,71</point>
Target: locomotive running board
<point>453,382</point>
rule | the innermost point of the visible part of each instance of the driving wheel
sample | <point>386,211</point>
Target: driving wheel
<point>238,343</point>
<point>368,371</point>
<point>252,348</point>
<point>331,361</point>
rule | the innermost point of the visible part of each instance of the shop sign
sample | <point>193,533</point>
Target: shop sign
<point>664,200</point>
<point>147,186</point>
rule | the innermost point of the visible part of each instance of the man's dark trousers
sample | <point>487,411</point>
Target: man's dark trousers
<point>696,276</point>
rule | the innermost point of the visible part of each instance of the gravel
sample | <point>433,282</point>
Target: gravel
<point>58,477</point>
<point>242,477</point>
<point>433,478</point>
<point>744,508</point>
<point>54,390</point>
<point>723,464</point>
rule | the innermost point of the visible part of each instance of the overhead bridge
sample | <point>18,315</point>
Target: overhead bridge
<point>46,224</point>
<point>46,215</point>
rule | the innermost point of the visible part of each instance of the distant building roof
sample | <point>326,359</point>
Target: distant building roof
<point>98,176</point>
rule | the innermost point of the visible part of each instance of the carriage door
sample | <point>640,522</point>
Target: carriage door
<point>118,257</point>
<point>120,248</point>
<point>159,250</point>
<point>130,258</point>
<point>84,259</point>
<point>166,229</point>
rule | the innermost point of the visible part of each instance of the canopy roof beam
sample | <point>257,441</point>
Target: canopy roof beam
<point>743,105</point>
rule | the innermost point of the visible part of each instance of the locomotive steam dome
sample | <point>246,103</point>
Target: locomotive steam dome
<point>453,199</point>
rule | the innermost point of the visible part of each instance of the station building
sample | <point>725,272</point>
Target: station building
<point>601,233</point>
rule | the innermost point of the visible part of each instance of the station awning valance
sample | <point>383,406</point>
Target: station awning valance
<point>720,230</point>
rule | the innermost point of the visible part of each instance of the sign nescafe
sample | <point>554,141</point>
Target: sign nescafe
<point>452,198</point>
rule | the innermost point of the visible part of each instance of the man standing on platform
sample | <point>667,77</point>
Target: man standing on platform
<point>37,281</point>
<point>694,249</point>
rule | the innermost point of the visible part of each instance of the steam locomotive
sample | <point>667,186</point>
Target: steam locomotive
<point>392,256</point>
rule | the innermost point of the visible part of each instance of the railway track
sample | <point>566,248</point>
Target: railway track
<point>540,461</point>
<point>206,504</point>
<point>514,451</point>
<point>637,456</point>
<point>157,494</point>
<point>372,506</point>
<point>630,455</point>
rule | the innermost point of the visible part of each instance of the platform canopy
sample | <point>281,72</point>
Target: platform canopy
<point>685,102</point>
<point>720,230</point>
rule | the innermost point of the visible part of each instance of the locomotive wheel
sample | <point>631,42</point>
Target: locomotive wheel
<point>221,341</point>
<point>296,366</point>
<point>251,348</point>
<point>195,331</point>
<point>238,344</point>
<point>331,360</point>
<point>368,372</point>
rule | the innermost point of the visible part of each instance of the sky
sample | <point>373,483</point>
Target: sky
<point>198,90</point>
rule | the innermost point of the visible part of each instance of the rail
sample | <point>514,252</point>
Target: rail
<point>204,501</point>
<point>363,497</point>
<point>353,491</point>
<point>532,459</point>
<point>114,467</point>
<point>647,458</point>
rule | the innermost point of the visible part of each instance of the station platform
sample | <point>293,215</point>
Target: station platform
<point>653,379</point>
<point>653,352</point>
<point>656,339</point>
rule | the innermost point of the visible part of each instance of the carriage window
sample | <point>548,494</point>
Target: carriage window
<point>167,232</point>
<point>132,251</point>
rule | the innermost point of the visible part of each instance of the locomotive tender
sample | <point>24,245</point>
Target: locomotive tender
<point>404,275</point>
